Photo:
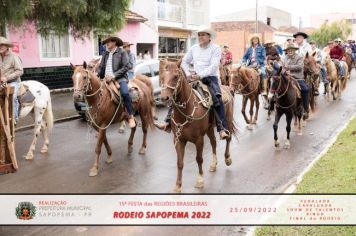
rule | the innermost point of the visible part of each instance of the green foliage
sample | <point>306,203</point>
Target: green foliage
<point>327,32</point>
<point>55,16</point>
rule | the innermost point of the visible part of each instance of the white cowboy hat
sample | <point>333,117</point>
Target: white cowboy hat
<point>6,42</point>
<point>209,31</point>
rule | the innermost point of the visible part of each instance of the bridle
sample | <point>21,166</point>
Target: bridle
<point>87,86</point>
<point>236,85</point>
<point>278,91</point>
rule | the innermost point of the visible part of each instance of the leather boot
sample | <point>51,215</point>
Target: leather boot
<point>264,87</point>
<point>164,126</point>
<point>131,121</point>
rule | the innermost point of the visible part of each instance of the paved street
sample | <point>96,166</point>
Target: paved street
<point>257,167</point>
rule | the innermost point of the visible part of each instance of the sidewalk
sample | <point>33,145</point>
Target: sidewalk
<point>62,106</point>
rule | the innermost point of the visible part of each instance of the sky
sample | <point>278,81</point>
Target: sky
<point>298,8</point>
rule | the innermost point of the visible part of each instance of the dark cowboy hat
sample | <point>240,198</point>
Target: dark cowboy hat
<point>127,44</point>
<point>300,33</point>
<point>312,42</point>
<point>290,46</point>
<point>115,39</point>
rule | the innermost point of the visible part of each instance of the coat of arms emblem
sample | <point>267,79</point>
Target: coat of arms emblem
<point>25,211</point>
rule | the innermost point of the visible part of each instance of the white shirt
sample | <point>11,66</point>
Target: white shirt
<point>303,49</point>
<point>205,60</point>
<point>108,68</point>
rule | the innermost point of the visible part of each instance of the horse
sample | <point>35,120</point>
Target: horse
<point>225,72</point>
<point>348,60</point>
<point>41,109</point>
<point>103,111</point>
<point>191,121</point>
<point>288,101</point>
<point>247,81</point>
<point>311,77</point>
<point>337,84</point>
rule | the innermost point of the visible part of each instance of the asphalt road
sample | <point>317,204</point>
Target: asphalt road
<point>257,166</point>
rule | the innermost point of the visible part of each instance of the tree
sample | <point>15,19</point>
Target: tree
<point>56,16</point>
<point>340,29</point>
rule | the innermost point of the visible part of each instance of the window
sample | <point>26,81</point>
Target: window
<point>54,46</point>
<point>268,21</point>
<point>144,70</point>
<point>172,45</point>
<point>155,69</point>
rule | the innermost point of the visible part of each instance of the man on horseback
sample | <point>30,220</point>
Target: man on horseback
<point>255,56</point>
<point>114,66</point>
<point>205,58</point>
<point>336,54</point>
<point>11,70</point>
<point>272,52</point>
<point>294,65</point>
<point>319,57</point>
<point>300,42</point>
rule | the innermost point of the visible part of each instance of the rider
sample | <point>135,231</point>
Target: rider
<point>294,65</point>
<point>353,48</point>
<point>226,56</point>
<point>114,66</point>
<point>337,53</point>
<point>300,42</point>
<point>255,56</point>
<point>132,59</point>
<point>272,52</point>
<point>11,70</point>
<point>205,58</point>
<point>319,57</point>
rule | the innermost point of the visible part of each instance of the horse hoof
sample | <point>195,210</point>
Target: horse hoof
<point>93,172</point>
<point>212,168</point>
<point>249,127</point>
<point>286,145</point>
<point>276,144</point>
<point>268,118</point>
<point>228,161</point>
<point>199,184</point>
<point>109,160</point>
<point>121,130</point>
<point>44,150</point>
<point>142,151</point>
<point>130,150</point>
<point>300,133</point>
<point>28,157</point>
<point>178,189</point>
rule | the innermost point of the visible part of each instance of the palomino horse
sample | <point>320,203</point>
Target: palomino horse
<point>41,109</point>
<point>337,84</point>
<point>247,82</point>
<point>225,72</point>
<point>311,77</point>
<point>191,121</point>
<point>287,101</point>
<point>103,111</point>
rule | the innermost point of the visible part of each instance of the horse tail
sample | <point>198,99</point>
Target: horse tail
<point>48,115</point>
<point>145,107</point>
<point>147,81</point>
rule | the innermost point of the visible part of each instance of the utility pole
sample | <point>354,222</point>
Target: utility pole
<point>300,23</point>
<point>256,17</point>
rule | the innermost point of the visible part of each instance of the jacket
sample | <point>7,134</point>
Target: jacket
<point>120,64</point>
<point>260,55</point>
<point>11,67</point>
<point>295,64</point>
<point>337,52</point>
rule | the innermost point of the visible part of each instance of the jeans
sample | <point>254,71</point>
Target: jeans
<point>305,95</point>
<point>354,56</point>
<point>130,74</point>
<point>124,90</point>
<point>323,75</point>
<point>16,101</point>
<point>263,72</point>
<point>340,65</point>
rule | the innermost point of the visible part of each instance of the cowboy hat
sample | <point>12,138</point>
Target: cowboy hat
<point>209,31</point>
<point>6,42</point>
<point>269,42</point>
<point>226,46</point>
<point>338,40</point>
<point>127,44</point>
<point>312,42</point>
<point>115,39</point>
<point>290,46</point>
<point>301,34</point>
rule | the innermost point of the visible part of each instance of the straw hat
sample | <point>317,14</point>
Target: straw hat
<point>290,46</point>
<point>209,31</point>
<point>127,44</point>
<point>6,42</point>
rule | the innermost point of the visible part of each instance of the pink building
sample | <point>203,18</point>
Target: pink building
<point>47,59</point>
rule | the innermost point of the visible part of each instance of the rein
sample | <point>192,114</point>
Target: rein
<point>244,87</point>
<point>283,94</point>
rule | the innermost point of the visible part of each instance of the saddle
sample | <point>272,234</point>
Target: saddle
<point>114,89</point>
<point>202,92</point>
<point>25,96</point>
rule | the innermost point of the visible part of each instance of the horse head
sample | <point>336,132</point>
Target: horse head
<point>310,65</point>
<point>235,77</point>
<point>80,80</point>
<point>170,77</point>
<point>276,78</point>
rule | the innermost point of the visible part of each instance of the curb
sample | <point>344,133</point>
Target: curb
<point>61,120</point>
<point>62,90</point>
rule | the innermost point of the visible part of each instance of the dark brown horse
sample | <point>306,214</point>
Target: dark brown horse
<point>312,77</point>
<point>247,82</point>
<point>225,72</point>
<point>287,101</point>
<point>348,60</point>
<point>103,111</point>
<point>191,121</point>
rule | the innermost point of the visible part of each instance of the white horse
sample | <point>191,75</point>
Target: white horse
<point>41,108</point>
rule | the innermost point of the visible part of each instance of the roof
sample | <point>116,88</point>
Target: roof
<point>294,30</point>
<point>248,26</point>
<point>133,16</point>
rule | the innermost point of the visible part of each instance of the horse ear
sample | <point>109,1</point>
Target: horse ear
<point>85,65</point>
<point>307,55</point>
<point>314,54</point>
<point>72,66</point>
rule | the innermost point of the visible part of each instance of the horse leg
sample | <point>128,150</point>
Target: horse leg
<point>252,103</point>
<point>44,128</point>
<point>199,144</point>
<point>289,118</point>
<point>257,108</point>
<point>144,140</point>
<point>122,127</point>
<point>244,103</point>
<point>130,142</point>
<point>101,137</point>
<point>180,147</point>
<point>214,161</point>
<point>38,124</point>
<point>275,128</point>
<point>108,150</point>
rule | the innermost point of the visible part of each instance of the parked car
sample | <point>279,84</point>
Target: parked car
<point>149,68</point>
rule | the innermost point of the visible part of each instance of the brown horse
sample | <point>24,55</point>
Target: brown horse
<point>348,60</point>
<point>191,121</point>
<point>311,77</point>
<point>337,84</point>
<point>103,111</point>
<point>247,82</point>
<point>225,72</point>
